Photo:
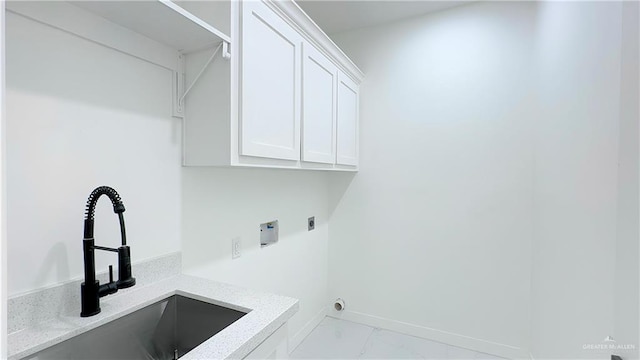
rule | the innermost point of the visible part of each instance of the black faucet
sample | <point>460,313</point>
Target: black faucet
<point>91,291</point>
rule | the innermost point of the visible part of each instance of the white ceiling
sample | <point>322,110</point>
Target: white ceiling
<point>335,16</point>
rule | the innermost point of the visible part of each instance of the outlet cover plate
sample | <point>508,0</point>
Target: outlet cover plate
<point>236,246</point>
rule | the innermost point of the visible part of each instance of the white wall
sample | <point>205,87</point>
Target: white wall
<point>78,116</point>
<point>627,271</point>
<point>576,198</point>
<point>220,204</point>
<point>3,197</point>
<point>487,208</point>
<point>435,230</point>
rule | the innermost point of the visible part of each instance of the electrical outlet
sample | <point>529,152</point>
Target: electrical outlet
<point>236,246</point>
<point>311,223</point>
<point>269,233</point>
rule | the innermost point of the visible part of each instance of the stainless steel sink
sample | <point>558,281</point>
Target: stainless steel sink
<point>165,330</point>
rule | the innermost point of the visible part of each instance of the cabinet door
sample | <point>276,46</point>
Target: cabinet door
<point>347,122</point>
<point>319,84</point>
<point>270,84</point>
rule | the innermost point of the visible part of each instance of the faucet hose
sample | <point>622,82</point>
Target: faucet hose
<point>118,208</point>
<point>123,233</point>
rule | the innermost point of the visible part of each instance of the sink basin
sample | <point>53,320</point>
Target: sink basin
<point>165,330</point>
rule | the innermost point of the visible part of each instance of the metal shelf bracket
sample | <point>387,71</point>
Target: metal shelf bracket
<point>179,78</point>
<point>178,87</point>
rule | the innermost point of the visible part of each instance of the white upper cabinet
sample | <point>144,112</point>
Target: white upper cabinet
<point>347,132</point>
<point>270,85</point>
<point>319,85</point>
<point>287,97</point>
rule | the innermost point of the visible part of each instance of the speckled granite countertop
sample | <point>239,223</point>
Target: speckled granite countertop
<point>267,312</point>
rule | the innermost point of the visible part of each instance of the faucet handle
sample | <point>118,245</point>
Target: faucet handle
<point>110,288</point>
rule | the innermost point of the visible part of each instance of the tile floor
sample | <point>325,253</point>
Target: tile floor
<point>339,339</point>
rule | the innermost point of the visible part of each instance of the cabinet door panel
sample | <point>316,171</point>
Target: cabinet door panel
<point>271,72</point>
<point>347,122</point>
<point>319,82</point>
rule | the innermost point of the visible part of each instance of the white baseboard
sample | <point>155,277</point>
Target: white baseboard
<point>296,339</point>
<point>467,342</point>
